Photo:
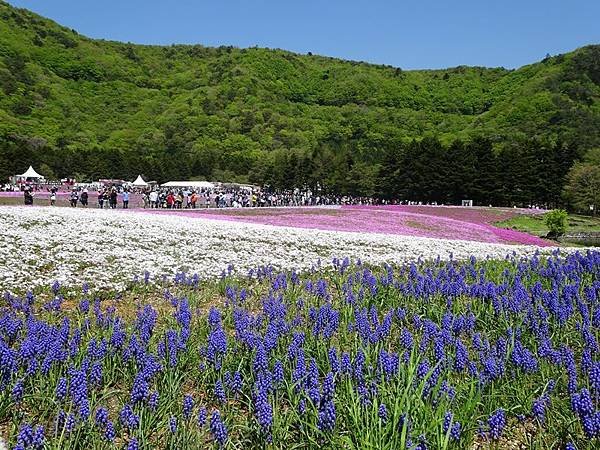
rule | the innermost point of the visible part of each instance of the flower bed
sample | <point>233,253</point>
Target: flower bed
<point>472,224</point>
<point>38,245</point>
<point>456,355</point>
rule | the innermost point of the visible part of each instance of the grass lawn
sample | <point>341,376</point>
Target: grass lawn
<point>536,224</point>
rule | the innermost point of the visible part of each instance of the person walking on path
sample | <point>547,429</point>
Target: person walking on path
<point>28,197</point>
<point>179,200</point>
<point>84,198</point>
<point>125,199</point>
<point>113,198</point>
<point>74,198</point>
<point>153,199</point>
<point>170,200</point>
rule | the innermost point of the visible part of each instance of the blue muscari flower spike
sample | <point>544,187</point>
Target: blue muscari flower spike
<point>333,360</point>
<point>214,317</point>
<point>496,423</point>
<point>17,392</point>
<point>218,429</point>
<point>70,423</point>
<point>79,391</point>
<point>346,365</point>
<point>133,444</point>
<point>84,306</point>
<point>383,412</point>
<point>153,400</point>
<point>594,376</point>
<point>260,359</point>
<point>25,436</point>
<point>101,417</point>
<point>263,408</point>
<point>55,287</point>
<point>540,405</point>
<point>139,389</point>
<point>327,416</point>
<point>406,339</point>
<point>37,441</point>
<point>59,422</point>
<point>328,388</point>
<point>128,418</point>
<point>455,431</point>
<point>202,415</point>
<point>188,405</point>
<point>173,424</point>
<point>314,395</point>
<point>278,372</point>
<point>220,392</point>
<point>454,427</point>
<point>96,374</point>
<point>447,421</point>
<point>302,406</point>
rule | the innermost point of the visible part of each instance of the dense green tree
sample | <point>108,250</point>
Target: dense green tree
<point>485,186</point>
<point>388,177</point>
<point>583,183</point>
<point>459,173</point>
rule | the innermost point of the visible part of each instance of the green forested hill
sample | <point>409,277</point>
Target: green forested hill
<point>91,107</point>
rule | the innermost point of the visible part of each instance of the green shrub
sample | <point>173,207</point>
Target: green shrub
<point>556,221</point>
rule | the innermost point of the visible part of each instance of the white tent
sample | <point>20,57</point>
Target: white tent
<point>191,184</point>
<point>30,173</point>
<point>139,181</point>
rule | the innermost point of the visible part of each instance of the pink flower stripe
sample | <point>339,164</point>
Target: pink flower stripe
<point>474,214</point>
<point>472,224</point>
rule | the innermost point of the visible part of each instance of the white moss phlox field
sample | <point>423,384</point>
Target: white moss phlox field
<point>39,245</point>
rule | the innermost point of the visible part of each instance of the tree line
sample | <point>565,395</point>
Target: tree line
<point>529,172</point>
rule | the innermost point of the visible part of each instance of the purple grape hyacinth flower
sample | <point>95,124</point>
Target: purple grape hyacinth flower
<point>188,405</point>
<point>202,415</point>
<point>218,429</point>
<point>327,417</point>
<point>496,423</point>
<point>383,412</point>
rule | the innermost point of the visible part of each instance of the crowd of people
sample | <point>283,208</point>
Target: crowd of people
<point>240,198</point>
<point>113,197</point>
<point>108,197</point>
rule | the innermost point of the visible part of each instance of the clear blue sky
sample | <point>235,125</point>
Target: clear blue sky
<point>409,34</point>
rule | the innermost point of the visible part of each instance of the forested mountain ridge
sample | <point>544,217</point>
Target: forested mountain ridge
<point>98,108</point>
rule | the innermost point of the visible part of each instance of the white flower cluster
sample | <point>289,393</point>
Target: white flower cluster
<point>109,248</point>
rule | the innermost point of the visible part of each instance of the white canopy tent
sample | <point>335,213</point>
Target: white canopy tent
<point>30,173</point>
<point>191,184</point>
<point>139,182</point>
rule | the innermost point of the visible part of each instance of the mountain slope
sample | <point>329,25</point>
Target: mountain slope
<point>86,106</point>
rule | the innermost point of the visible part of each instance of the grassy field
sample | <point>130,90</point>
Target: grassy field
<point>536,225</point>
